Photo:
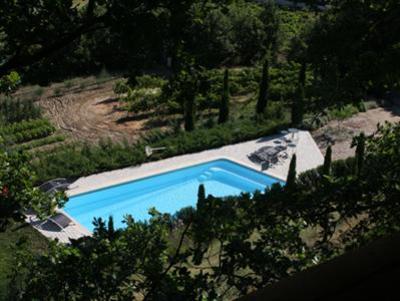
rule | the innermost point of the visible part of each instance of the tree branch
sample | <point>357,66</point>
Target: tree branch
<point>171,264</point>
<point>19,61</point>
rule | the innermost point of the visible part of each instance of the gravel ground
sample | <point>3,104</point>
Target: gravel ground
<point>342,132</point>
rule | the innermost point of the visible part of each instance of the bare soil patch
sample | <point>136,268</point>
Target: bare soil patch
<point>92,113</point>
<point>343,131</point>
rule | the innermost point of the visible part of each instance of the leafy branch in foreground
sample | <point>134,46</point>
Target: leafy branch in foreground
<point>17,193</point>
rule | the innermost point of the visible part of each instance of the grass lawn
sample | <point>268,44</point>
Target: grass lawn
<point>36,242</point>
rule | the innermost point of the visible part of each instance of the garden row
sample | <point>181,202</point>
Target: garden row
<point>39,142</point>
<point>26,130</point>
<point>14,110</point>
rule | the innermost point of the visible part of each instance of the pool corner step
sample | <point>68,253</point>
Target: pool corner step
<point>205,176</point>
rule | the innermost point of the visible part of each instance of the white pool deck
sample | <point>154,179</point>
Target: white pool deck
<point>308,156</point>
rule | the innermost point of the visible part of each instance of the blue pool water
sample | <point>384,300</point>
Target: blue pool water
<point>167,192</point>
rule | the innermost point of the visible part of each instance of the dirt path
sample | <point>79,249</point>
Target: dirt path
<point>92,114</point>
<point>342,132</point>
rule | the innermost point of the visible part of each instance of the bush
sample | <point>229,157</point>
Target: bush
<point>343,112</point>
<point>121,87</point>
<point>102,75</point>
<point>38,91</point>
<point>148,81</point>
<point>57,91</point>
<point>15,110</point>
<point>185,214</point>
<point>68,84</point>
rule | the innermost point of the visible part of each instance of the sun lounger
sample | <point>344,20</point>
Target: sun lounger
<point>60,184</point>
<point>60,220</point>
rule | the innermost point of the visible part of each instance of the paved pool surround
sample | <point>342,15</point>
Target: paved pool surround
<point>308,157</point>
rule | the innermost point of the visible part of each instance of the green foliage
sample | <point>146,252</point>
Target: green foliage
<point>79,160</point>
<point>142,100</point>
<point>40,142</point>
<point>9,82</point>
<point>229,247</point>
<point>15,110</point>
<point>149,82</point>
<point>342,112</point>
<point>291,177</point>
<point>298,107</point>
<point>10,245</point>
<point>239,33</point>
<point>338,112</point>
<point>57,91</point>
<point>38,91</point>
<point>68,84</point>
<point>17,193</point>
<point>293,24</point>
<point>327,161</point>
<point>189,114</point>
<point>367,58</point>
<point>201,196</point>
<point>298,103</point>
<point>26,130</point>
<point>102,75</point>
<point>185,214</point>
<point>224,106</point>
<point>359,142</point>
<point>121,87</point>
<point>134,35</point>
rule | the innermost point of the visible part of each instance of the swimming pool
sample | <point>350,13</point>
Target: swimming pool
<point>167,192</point>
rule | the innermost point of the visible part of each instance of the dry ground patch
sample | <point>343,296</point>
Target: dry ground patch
<point>343,131</point>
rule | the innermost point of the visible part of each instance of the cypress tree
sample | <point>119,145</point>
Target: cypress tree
<point>291,177</point>
<point>263,91</point>
<point>189,88</point>
<point>224,105</point>
<point>360,153</point>
<point>110,227</point>
<point>199,225</point>
<point>327,161</point>
<point>298,102</point>
<point>201,194</point>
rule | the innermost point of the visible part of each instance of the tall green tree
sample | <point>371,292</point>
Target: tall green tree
<point>224,104</point>
<point>262,101</point>
<point>354,57</point>
<point>327,161</point>
<point>298,101</point>
<point>239,32</point>
<point>360,153</point>
<point>291,177</point>
<point>201,195</point>
<point>184,87</point>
